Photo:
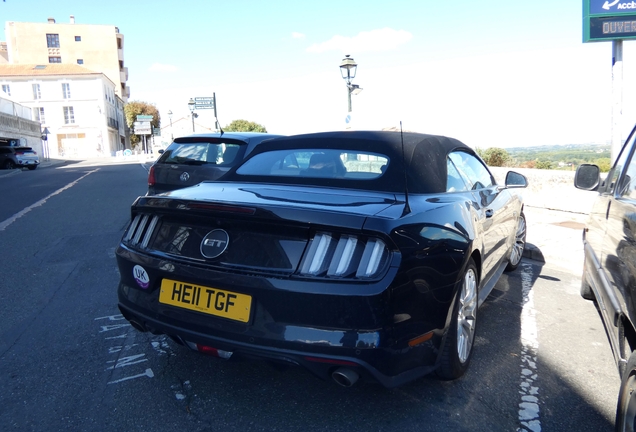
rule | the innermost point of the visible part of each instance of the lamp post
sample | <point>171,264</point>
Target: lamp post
<point>191,105</point>
<point>348,68</point>
<point>170,117</point>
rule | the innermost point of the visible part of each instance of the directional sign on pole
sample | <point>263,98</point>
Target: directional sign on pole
<point>605,20</point>
<point>144,117</point>
<point>204,102</point>
<point>142,128</point>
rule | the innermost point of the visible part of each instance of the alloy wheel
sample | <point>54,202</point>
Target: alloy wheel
<point>520,242</point>
<point>467,316</point>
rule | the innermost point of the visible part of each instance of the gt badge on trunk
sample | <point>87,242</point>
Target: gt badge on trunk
<point>214,243</point>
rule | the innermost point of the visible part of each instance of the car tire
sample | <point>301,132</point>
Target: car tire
<point>626,406</point>
<point>32,167</point>
<point>458,344</point>
<point>586,289</point>
<point>516,252</point>
<point>8,164</point>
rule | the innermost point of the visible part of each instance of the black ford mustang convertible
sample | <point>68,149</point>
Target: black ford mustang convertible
<point>353,254</point>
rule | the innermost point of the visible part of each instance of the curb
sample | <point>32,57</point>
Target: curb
<point>533,252</point>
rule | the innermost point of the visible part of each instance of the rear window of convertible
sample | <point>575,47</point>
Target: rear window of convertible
<point>201,153</point>
<point>312,163</point>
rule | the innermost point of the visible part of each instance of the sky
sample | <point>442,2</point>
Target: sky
<point>489,73</point>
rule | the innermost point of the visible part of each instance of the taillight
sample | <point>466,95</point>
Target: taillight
<point>344,256</point>
<point>151,176</point>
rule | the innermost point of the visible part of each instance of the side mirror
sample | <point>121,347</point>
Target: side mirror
<point>587,177</point>
<point>516,180</point>
<point>160,151</point>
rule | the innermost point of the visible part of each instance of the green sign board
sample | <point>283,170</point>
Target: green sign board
<point>605,20</point>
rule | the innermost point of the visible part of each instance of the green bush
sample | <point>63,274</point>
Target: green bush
<point>494,156</point>
<point>543,164</point>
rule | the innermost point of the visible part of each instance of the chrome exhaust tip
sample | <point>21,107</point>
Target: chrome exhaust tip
<point>345,377</point>
<point>138,326</point>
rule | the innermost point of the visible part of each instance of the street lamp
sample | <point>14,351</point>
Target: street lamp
<point>191,105</point>
<point>348,68</point>
<point>170,117</point>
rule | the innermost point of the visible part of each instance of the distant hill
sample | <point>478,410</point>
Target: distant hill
<point>570,154</point>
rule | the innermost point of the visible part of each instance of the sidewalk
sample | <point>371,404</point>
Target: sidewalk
<point>554,237</point>
<point>556,213</point>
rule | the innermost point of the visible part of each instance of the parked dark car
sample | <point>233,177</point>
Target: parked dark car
<point>18,157</point>
<point>193,159</point>
<point>609,274</point>
<point>353,254</point>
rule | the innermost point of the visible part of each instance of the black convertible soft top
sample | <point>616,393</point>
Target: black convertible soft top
<point>424,159</point>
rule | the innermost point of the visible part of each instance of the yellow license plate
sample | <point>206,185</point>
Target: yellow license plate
<point>208,300</point>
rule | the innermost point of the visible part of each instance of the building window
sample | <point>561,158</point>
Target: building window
<point>69,117</point>
<point>55,59</point>
<point>6,89</point>
<point>38,114</point>
<point>36,92</point>
<point>53,40</point>
<point>78,38</point>
<point>66,90</point>
<point>80,61</point>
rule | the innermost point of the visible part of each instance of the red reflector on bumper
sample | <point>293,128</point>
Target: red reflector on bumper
<point>209,350</point>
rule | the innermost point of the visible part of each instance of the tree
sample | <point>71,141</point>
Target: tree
<point>244,126</point>
<point>543,164</point>
<point>604,164</point>
<point>494,156</point>
<point>135,108</point>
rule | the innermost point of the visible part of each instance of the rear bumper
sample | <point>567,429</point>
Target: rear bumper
<point>321,352</point>
<point>319,325</point>
<point>27,162</point>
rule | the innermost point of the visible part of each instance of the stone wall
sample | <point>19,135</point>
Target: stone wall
<point>550,189</point>
<point>28,131</point>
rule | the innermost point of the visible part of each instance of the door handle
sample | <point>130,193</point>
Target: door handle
<point>489,213</point>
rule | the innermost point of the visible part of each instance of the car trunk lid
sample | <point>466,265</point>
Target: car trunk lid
<point>267,227</point>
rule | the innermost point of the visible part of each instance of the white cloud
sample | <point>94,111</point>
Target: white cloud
<point>375,40</point>
<point>159,67</point>
<point>297,35</point>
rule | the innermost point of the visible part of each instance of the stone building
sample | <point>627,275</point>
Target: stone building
<point>72,77</point>
<point>96,47</point>
<point>79,107</point>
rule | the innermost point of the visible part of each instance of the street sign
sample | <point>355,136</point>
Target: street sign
<point>144,124</point>
<point>204,102</point>
<point>605,20</point>
<point>143,131</point>
<point>144,117</point>
<point>611,7</point>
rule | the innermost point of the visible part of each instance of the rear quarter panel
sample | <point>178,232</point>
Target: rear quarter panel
<point>435,240</point>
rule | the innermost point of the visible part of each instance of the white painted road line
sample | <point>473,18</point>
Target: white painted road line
<point>529,407</point>
<point>24,211</point>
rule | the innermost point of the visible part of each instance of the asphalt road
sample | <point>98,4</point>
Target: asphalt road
<point>69,362</point>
